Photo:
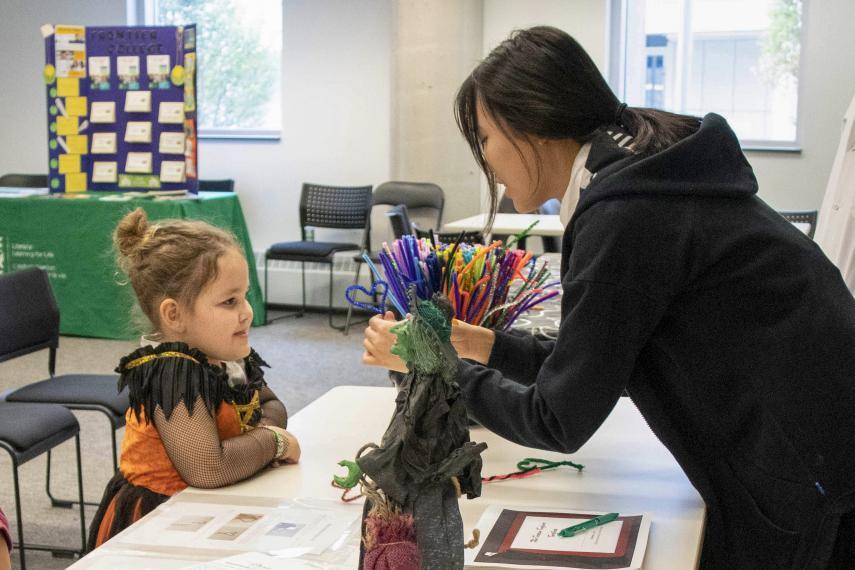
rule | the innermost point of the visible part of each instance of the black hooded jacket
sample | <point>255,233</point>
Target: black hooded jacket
<point>732,332</point>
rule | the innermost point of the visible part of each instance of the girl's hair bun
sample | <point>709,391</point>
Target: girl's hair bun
<point>131,232</point>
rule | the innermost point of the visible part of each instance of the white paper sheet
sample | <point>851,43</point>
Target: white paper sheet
<point>230,527</point>
<point>538,534</point>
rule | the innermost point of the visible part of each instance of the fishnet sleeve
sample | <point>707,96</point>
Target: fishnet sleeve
<point>273,412</point>
<point>202,460</point>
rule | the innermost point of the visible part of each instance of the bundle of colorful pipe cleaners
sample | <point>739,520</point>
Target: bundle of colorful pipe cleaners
<point>488,285</point>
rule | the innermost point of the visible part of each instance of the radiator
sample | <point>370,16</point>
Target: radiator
<point>284,280</point>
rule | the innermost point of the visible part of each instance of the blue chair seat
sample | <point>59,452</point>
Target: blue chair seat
<point>32,429</point>
<point>311,250</point>
<point>77,391</point>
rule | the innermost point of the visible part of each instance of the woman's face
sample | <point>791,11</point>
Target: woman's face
<point>516,167</point>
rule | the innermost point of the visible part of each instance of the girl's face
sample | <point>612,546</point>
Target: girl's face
<point>518,171</point>
<point>219,322</point>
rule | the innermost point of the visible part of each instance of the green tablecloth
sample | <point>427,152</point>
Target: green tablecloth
<point>70,237</point>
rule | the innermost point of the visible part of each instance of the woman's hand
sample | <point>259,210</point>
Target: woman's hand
<point>471,341</point>
<point>378,343</point>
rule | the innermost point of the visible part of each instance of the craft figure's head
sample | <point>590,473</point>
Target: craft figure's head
<point>424,340</point>
<point>191,281</point>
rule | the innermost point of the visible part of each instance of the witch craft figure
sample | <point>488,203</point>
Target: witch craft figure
<point>425,461</point>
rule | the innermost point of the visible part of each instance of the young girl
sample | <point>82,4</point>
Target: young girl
<point>200,412</point>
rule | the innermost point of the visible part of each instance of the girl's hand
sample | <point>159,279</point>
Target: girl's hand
<point>378,343</point>
<point>291,453</point>
<point>471,341</point>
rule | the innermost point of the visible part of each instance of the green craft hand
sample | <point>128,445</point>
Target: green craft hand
<point>353,475</point>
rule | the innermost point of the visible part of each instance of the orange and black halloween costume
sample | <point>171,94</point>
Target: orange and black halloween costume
<point>178,444</point>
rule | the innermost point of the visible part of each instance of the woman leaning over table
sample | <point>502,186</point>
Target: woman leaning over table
<point>730,330</point>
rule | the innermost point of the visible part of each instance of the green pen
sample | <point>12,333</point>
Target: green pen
<point>587,525</point>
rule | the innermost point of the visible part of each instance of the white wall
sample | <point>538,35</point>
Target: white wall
<point>585,20</point>
<point>798,181</point>
<point>23,103</point>
<point>336,88</point>
<point>338,85</point>
<point>788,181</point>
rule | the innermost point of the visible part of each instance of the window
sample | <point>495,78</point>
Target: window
<point>737,58</point>
<point>239,46</point>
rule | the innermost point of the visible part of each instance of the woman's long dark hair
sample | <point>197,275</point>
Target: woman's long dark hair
<point>541,83</point>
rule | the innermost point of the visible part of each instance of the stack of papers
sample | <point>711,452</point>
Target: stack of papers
<point>15,192</point>
<point>207,532</point>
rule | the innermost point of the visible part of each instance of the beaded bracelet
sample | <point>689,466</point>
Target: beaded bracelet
<point>281,443</point>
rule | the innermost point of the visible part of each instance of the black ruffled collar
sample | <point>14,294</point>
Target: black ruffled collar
<point>172,372</point>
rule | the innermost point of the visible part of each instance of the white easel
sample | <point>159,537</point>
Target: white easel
<point>835,230</point>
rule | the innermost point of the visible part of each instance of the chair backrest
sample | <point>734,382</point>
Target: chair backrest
<point>424,201</point>
<point>223,185</point>
<point>342,207</point>
<point>29,316</point>
<point>806,217</point>
<point>413,195</point>
<point>24,180</point>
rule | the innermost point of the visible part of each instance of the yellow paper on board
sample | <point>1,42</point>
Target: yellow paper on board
<point>76,106</point>
<point>75,182</point>
<point>77,144</point>
<point>66,126</point>
<point>69,163</point>
<point>67,86</point>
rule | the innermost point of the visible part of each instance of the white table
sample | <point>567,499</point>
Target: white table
<point>548,224</point>
<point>626,470</point>
<point>508,224</point>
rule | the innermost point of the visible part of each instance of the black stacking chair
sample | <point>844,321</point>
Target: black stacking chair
<point>807,217</point>
<point>417,197</point>
<point>29,321</point>
<point>27,431</point>
<point>337,207</point>
<point>24,180</point>
<point>424,199</point>
<point>224,185</point>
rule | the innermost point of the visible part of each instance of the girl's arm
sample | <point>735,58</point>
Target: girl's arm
<point>202,460</point>
<point>273,412</point>
<point>5,543</point>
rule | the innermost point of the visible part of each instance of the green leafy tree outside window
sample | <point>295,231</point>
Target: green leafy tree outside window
<point>235,77</point>
<point>781,46</point>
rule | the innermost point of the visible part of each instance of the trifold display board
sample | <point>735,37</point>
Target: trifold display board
<point>121,108</point>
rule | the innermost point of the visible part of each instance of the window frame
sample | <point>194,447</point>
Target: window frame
<point>142,13</point>
<point>618,15</point>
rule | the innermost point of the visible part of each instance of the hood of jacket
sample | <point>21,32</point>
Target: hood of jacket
<point>708,162</point>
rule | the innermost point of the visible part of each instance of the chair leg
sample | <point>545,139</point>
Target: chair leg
<point>113,447</point>
<point>18,515</point>
<point>330,305</point>
<point>350,307</point>
<point>303,290</point>
<point>55,550</point>
<point>266,320</point>
<point>54,502</point>
<point>80,492</point>
<point>66,504</point>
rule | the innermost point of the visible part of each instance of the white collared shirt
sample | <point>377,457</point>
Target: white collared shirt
<point>580,177</point>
